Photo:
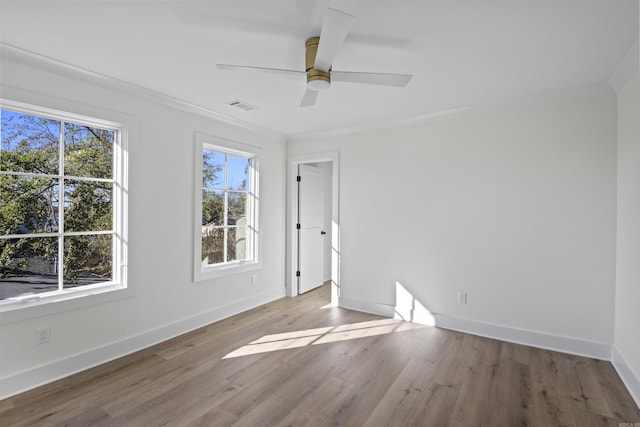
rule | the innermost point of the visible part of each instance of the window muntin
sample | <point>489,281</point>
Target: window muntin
<point>49,248</point>
<point>226,235</point>
<point>225,207</point>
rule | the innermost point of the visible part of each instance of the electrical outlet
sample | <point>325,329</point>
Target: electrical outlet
<point>462,297</point>
<point>254,279</point>
<point>43,335</point>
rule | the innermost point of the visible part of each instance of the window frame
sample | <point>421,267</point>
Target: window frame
<point>35,305</point>
<point>204,272</point>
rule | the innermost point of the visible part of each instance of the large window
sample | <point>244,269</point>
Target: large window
<point>227,207</point>
<point>62,210</point>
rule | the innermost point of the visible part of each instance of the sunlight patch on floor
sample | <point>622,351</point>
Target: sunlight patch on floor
<point>325,335</point>
<point>292,335</point>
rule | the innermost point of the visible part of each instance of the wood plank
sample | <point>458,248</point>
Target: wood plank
<point>583,386</point>
<point>213,417</point>
<point>435,406</point>
<point>373,373</point>
<point>395,406</point>
<point>285,398</point>
<point>515,352</point>
<point>549,395</point>
<point>504,406</point>
<point>318,407</point>
<point>615,392</point>
<point>473,397</point>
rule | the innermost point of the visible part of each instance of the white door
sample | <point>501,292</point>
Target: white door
<point>310,233</point>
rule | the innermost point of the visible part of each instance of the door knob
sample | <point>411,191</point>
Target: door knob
<point>323,232</point>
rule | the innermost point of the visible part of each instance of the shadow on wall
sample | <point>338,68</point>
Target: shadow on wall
<point>410,309</point>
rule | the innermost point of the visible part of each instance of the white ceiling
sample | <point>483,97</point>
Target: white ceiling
<point>461,53</point>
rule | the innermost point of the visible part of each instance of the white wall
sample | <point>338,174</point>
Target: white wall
<point>161,220</point>
<point>516,207</point>
<point>327,178</point>
<point>627,311</point>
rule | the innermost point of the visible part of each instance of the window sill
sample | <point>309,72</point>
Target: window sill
<point>28,308</point>
<point>214,272</point>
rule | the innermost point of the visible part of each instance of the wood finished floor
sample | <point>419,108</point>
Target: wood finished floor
<point>294,363</point>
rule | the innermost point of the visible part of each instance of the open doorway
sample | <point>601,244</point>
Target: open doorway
<point>313,238</point>
<point>313,225</point>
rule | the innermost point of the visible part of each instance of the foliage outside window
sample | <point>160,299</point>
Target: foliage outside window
<point>227,230</point>
<point>61,204</point>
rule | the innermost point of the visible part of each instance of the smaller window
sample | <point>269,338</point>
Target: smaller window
<point>226,224</point>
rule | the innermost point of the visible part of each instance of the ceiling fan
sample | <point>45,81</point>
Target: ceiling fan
<point>320,52</point>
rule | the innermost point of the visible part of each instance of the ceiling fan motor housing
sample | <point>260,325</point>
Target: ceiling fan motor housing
<point>316,79</point>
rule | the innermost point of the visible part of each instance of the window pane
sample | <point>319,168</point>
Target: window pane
<point>237,209</point>
<point>87,259</point>
<point>88,151</point>
<point>212,245</point>
<point>212,207</point>
<point>28,143</point>
<point>212,169</point>
<point>237,244</point>
<point>28,265</point>
<point>227,187</point>
<point>29,204</point>
<point>238,173</point>
<point>87,206</point>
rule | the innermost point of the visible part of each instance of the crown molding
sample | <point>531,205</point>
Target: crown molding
<point>523,101</point>
<point>627,66</point>
<point>48,64</point>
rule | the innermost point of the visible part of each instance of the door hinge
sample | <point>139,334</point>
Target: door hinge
<point>298,273</point>
<point>297,226</point>
<point>298,178</point>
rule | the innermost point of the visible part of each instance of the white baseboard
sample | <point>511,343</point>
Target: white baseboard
<point>366,306</point>
<point>31,378</point>
<point>592,349</point>
<point>630,379</point>
<point>569,345</point>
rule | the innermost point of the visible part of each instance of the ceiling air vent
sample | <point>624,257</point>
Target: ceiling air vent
<point>242,105</point>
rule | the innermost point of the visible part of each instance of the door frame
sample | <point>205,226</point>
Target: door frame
<point>291,282</point>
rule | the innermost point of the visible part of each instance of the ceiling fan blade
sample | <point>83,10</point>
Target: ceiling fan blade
<point>335,27</point>
<point>309,98</point>
<point>383,79</point>
<point>261,69</point>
